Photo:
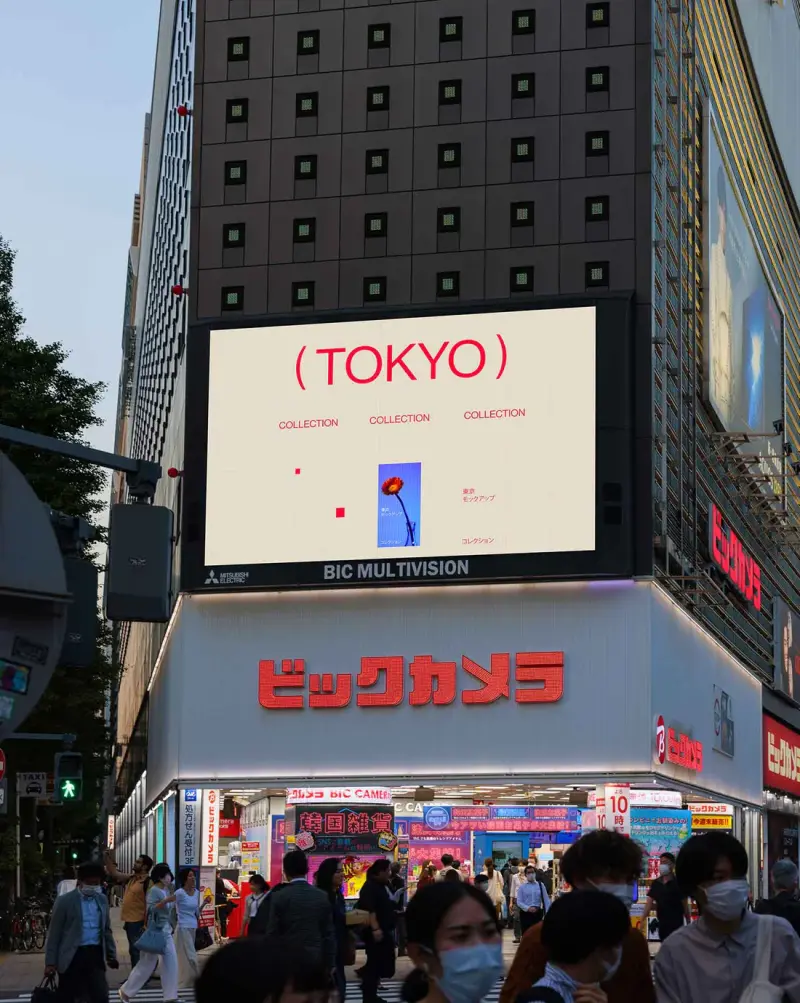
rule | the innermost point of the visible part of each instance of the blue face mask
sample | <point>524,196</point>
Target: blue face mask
<point>469,973</point>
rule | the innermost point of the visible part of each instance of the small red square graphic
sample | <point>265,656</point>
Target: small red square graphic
<point>340,513</point>
<point>297,470</point>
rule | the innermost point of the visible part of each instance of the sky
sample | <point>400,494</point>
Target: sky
<point>75,85</point>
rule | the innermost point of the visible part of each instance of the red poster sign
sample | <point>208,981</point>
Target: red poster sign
<point>229,828</point>
<point>781,756</point>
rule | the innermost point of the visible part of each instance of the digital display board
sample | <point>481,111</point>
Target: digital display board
<point>404,449</point>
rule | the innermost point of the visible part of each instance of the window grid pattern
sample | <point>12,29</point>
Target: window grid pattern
<point>166,315</point>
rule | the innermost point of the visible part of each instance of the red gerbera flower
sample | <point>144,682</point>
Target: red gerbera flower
<point>392,486</point>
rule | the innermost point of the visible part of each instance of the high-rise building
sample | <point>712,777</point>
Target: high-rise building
<point>315,160</point>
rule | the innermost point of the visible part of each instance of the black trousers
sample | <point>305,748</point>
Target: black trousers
<point>380,965</point>
<point>529,919</point>
<point>85,979</point>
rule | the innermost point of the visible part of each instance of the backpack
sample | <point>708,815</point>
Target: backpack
<point>761,990</point>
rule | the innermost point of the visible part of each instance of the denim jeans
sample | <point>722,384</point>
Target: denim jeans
<point>134,932</point>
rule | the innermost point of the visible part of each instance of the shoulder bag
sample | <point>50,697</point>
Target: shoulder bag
<point>153,940</point>
<point>761,990</point>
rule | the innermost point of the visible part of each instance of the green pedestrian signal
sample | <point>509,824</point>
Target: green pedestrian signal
<point>68,790</point>
<point>68,770</point>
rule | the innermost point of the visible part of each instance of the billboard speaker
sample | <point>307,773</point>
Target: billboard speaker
<point>139,576</point>
<point>80,637</point>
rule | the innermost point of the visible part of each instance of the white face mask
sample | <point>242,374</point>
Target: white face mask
<point>664,869</point>
<point>727,900</point>
<point>622,892</point>
<point>612,966</point>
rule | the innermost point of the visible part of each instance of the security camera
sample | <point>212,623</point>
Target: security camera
<point>788,449</point>
<point>778,426</point>
<point>796,468</point>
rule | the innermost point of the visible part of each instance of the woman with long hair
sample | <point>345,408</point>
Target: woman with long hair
<point>159,900</point>
<point>329,879</point>
<point>187,904</point>
<point>454,941</point>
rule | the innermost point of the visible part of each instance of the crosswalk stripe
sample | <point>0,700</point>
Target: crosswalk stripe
<point>390,992</point>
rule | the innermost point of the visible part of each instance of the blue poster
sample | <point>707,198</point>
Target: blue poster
<point>509,811</point>
<point>660,830</point>
<point>436,816</point>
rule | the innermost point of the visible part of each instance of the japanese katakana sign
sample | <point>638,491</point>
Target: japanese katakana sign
<point>385,681</point>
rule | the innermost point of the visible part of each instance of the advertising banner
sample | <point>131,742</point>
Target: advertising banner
<point>781,757</point>
<point>332,829</point>
<point>209,847</point>
<point>660,830</point>
<point>251,856</point>
<point>343,795</point>
<point>617,809</point>
<point>208,885</point>
<point>786,648</point>
<point>744,330</point>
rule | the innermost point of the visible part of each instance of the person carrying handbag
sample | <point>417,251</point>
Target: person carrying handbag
<point>156,943</point>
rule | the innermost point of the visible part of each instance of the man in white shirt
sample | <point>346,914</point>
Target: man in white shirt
<point>517,875</point>
<point>532,900</point>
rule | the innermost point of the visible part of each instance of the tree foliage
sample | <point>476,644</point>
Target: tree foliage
<point>39,394</point>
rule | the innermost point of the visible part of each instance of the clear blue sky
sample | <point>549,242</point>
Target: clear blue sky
<point>75,84</point>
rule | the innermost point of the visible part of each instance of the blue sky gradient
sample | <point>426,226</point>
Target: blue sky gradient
<point>75,85</point>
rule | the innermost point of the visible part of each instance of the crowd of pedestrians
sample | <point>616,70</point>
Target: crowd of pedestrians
<point>576,947</point>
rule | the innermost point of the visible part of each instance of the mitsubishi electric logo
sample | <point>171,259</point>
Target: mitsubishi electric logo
<point>227,578</point>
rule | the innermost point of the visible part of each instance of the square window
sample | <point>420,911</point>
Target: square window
<point>597,144</point>
<point>448,220</point>
<point>522,151</point>
<point>380,36</point>
<point>597,209</point>
<point>449,92</point>
<point>232,298</point>
<point>307,105</point>
<point>236,110</point>
<point>233,235</point>
<point>447,283</point>
<point>236,172</point>
<point>522,279</point>
<point>377,161</point>
<point>523,22</point>
<point>522,214</point>
<point>304,231</point>
<point>238,50</point>
<point>377,99</point>
<point>596,79</point>
<point>308,42</point>
<point>305,167</point>
<point>449,155</point>
<point>375,290</point>
<point>596,274</point>
<point>451,29</point>
<point>302,294</point>
<point>376,224</point>
<point>597,15</point>
<point>523,85</point>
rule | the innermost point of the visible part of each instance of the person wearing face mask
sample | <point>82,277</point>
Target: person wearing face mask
<point>159,900</point>
<point>532,900</point>
<point>784,902</point>
<point>583,933</point>
<point>713,960</point>
<point>605,861</point>
<point>455,944</point>
<point>670,904</point>
<point>80,942</point>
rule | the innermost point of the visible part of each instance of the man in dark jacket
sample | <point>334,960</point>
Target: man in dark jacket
<point>784,903</point>
<point>300,916</point>
<point>375,899</point>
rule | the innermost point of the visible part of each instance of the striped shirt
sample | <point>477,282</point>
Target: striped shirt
<point>563,984</point>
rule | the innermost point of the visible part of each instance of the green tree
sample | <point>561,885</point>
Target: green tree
<point>39,394</point>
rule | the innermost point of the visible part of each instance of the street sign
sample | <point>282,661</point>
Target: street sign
<point>32,785</point>
<point>3,797</point>
<point>2,764</point>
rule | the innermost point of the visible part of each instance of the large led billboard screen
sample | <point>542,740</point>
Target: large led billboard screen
<point>390,450</point>
<point>744,329</point>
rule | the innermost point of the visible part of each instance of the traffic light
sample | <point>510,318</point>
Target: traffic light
<point>68,771</point>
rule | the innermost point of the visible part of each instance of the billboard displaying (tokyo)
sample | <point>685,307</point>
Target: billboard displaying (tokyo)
<point>391,450</point>
<point>744,330</point>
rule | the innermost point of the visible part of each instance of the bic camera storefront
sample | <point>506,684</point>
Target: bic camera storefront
<point>520,695</point>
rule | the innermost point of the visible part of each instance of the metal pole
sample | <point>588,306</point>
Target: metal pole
<point>19,850</point>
